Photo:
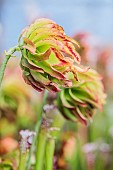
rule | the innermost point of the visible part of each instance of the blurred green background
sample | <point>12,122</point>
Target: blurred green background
<point>90,22</point>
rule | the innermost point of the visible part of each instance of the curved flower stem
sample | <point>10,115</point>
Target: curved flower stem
<point>5,61</point>
<point>37,128</point>
<point>50,147</point>
<point>2,69</point>
<point>22,161</point>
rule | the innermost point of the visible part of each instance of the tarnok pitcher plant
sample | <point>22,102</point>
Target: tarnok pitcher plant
<point>49,61</point>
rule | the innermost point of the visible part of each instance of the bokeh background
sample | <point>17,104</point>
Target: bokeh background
<point>94,16</point>
<point>91,23</point>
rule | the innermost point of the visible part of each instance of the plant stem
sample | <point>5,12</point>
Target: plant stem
<point>39,121</point>
<point>2,69</point>
<point>22,163</point>
<point>50,147</point>
<point>40,149</point>
<point>37,127</point>
<point>5,61</point>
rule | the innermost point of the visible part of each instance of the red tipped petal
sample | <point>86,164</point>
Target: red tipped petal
<point>79,115</point>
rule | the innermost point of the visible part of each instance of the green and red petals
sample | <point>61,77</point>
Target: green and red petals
<point>65,47</point>
<point>69,107</point>
<point>83,98</point>
<point>30,46</point>
<point>30,65</point>
<point>50,70</point>
<point>48,51</point>
<point>80,117</point>
<point>44,75</point>
<point>40,78</point>
<point>50,61</point>
<point>40,56</point>
<point>43,22</point>
<point>30,81</point>
<point>39,82</point>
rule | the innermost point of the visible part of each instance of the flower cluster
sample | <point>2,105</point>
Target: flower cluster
<point>50,61</point>
<point>47,55</point>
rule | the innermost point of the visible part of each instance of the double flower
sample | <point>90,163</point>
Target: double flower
<point>50,61</point>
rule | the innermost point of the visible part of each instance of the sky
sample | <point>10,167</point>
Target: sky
<point>93,16</point>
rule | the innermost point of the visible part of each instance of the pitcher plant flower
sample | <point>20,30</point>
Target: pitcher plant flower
<point>79,102</point>
<point>47,55</point>
<point>49,62</point>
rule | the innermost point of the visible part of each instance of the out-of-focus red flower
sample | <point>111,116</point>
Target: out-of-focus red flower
<point>7,145</point>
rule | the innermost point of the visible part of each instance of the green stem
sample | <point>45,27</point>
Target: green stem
<point>37,127</point>
<point>40,149</point>
<point>50,147</point>
<point>5,61</point>
<point>22,161</point>
<point>39,121</point>
<point>2,69</point>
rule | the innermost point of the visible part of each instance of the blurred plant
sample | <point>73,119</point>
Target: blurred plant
<point>50,129</point>
<point>79,102</point>
<point>26,140</point>
<point>98,155</point>
<point>98,55</point>
<point>7,145</point>
<point>65,151</point>
<point>81,38</point>
<point>25,144</point>
<point>16,104</point>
